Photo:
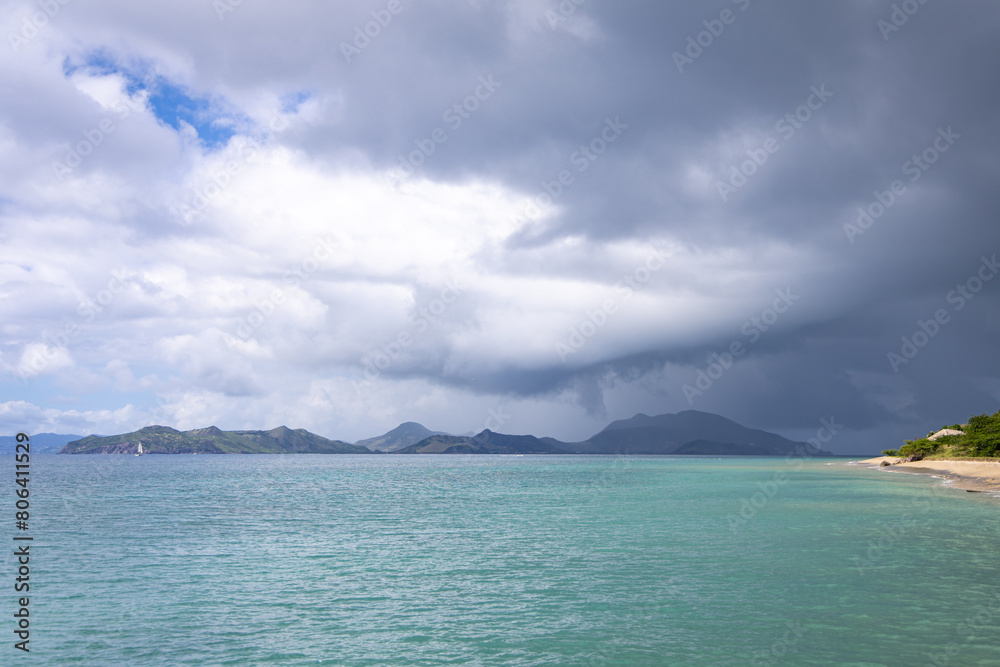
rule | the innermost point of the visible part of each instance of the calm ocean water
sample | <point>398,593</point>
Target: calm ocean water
<point>498,560</point>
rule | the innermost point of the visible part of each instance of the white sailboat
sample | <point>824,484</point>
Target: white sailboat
<point>139,451</point>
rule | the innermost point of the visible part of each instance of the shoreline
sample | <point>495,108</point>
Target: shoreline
<point>972,476</point>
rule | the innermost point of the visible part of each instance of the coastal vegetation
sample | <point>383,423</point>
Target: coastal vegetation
<point>979,438</point>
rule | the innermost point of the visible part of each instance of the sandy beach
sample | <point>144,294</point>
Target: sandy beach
<point>982,476</point>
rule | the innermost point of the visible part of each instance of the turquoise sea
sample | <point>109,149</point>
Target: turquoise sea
<point>502,560</point>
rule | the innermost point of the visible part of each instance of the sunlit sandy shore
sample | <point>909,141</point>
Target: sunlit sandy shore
<point>968,475</point>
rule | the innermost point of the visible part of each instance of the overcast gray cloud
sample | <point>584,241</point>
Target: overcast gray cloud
<point>343,216</point>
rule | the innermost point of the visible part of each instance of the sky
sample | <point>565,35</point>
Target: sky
<point>527,215</point>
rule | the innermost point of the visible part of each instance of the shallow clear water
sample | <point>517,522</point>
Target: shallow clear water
<point>501,560</point>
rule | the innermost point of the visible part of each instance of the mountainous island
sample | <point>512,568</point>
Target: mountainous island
<point>689,432</point>
<point>686,433</point>
<point>401,437</point>
<point>41,443</point>
<point>212,440</point>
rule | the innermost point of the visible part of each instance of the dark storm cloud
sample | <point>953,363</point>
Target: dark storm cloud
<point>890,100</point>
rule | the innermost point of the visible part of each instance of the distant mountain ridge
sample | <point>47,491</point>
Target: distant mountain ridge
<point>212,440</point>
<point>689,432</point>
<point>486,442</point>
<point>41,443</point>
<point>404,435</point>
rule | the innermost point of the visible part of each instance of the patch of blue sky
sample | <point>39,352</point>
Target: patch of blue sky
<point>172,104</point>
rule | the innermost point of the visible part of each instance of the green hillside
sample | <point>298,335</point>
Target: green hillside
<point>212,440</point>
<point>979,439</point>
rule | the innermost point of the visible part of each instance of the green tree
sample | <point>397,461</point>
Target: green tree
<point>984,434</point>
